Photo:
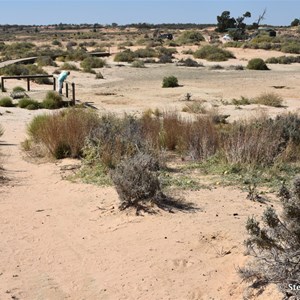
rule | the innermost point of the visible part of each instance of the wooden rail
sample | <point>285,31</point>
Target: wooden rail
<point>28,77</point>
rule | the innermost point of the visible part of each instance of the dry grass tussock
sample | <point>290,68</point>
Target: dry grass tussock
<point>63,133</point>
<point>252,142</point>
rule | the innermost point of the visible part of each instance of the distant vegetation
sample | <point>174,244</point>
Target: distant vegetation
<point>213,53</point>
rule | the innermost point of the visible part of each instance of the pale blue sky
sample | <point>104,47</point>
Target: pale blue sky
<point>40,12</point>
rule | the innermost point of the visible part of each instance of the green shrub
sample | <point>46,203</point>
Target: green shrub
<point>92,62</point>
<point>52,100</point>
<point>144,53</point>
<point>56,43</point>
<point>125,56</point>
<point>170,82</point>
<point>165,59</point>
<point>190,37</point>
<point>76,55</point>
<point>292,47</point>
<point>14,70</point>
<point>6,102</point>
<point>213,53</point>
<point>257,64</point>
<point>283,60</point>
<point>28,104</point>
<point>69,67</point>
<point>138,64</point>
<point>45,61</point>
<point>272,60</point>
<point>189,63</point>
<point>17,89</point>
<point>269,99</point>
<point>166,51</point>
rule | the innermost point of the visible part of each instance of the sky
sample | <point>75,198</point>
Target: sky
<point>45,12</point>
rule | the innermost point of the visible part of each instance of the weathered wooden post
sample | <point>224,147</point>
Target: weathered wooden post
<point>73,93</point>
<point>67,90</point>
<point>54,83</point>
<point>28,84</point>
<point>2,85</point>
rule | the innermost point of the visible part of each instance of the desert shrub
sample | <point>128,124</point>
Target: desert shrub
<point>165,59</point>
<point>172,131</point>
<point>189,51</point>
<point>14,70</point>
<point>138,64</point>
<point>275,245</point>
<point>29,104</point>
<point>291,47</point>
<point>242,101</point>
<point>255,142</point>
<point>166,51</point>
<point>17,89</point>
<point>56,43</point>
<point>144,53</point>
<point>188,62</point>
<point>6,102</point>
<point>52,100</point>
<point>76,55</point>
<point>235,67</point>
<point>170,82</point>
<point>92,62</point>
<point>283,60</point>
<point>18,50</point>
<point>290,125</point>
<point>71,44</point>
<point>272,60</point>
<point>45,61</point>
<point>113,139</point>
<point>99,75</point>
<point>151,128</point>
<point>216,67</point>
<point>213,53</point>
<point>63,133</point>
<point>257,64</point>
<point>269,99</point>
<point>136,181</point>
<point>69,67</point>
<point>190,37</point>
<point>195,107</point>
<point>125,56</point>
<point>201,138</point>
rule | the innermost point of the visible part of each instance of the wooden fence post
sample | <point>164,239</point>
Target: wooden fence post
<point>67,90</point>
<point>2,85</point>
<point>73,93</point>
<point>28,84</point>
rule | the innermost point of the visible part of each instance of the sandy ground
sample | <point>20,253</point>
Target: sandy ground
<point>64,240</point>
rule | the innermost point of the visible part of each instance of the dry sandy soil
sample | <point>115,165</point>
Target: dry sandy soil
<point>65,240</point>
